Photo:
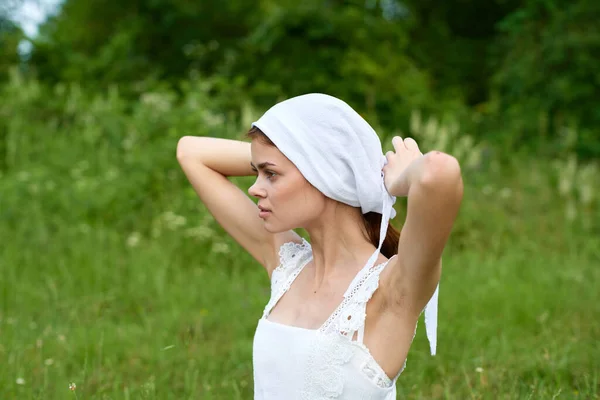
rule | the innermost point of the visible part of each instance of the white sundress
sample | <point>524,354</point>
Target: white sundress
<point>298,363</point>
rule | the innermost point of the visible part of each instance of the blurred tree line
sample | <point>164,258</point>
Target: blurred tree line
<point>515,72</point>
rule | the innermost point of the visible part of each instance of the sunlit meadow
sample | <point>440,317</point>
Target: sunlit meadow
<point>117,284</point>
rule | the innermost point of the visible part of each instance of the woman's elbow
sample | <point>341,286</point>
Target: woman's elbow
<point>441,171</point>
<point>185,147</point>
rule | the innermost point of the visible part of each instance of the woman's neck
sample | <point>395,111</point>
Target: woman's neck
<point>339,243</point>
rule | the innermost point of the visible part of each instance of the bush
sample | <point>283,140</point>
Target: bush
<point>547,76</point>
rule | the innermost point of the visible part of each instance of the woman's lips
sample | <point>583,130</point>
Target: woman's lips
<point>263,213</point>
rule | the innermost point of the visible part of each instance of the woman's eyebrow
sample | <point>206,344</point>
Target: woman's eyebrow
<point>262,165</point>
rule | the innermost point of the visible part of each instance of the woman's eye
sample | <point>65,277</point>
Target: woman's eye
<point>270,175</point>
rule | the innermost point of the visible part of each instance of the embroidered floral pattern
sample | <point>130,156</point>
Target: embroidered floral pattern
<point>324,374</point>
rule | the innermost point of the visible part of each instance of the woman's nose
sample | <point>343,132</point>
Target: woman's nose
<point>255,190</point>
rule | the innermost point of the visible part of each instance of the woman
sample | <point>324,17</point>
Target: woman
<point>344,306</point>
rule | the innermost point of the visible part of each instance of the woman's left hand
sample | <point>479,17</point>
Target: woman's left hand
<point>396,170</point>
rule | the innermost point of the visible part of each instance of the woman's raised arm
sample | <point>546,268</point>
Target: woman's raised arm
<point>207,162</point>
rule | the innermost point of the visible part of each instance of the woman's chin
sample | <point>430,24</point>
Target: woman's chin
<point>269,228</point>
<point>272,228</point>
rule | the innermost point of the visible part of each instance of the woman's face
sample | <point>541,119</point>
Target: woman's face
<point>281,188</point>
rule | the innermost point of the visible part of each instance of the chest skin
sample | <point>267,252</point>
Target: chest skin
<point>302,307</point>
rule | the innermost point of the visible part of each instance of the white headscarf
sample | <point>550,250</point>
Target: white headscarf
<point>340,154</point>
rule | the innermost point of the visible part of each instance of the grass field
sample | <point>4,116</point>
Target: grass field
<point>169,311</point>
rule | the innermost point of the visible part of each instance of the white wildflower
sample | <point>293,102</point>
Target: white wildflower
<point>158,101</point>
<point>586,192</point>
<point>506,193</point>
<point>173,221</point>
<point>133,239</point>
<point>199,232</point>
<point>112,174</point>
<point>23,176</point>
<point>220,248</point>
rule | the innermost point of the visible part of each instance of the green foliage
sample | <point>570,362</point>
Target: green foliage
<point>10,36</point>
<point>260,53</point>
<point>547,77</point>
<point>526,65</point>
<point>452,41</point>
<point>108,174</point>
<point>340,49</point>
<point>121,42</point>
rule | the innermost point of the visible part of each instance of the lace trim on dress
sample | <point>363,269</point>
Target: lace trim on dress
<point>288,251</point>
<point>350,316</point>
<point>373,371</point>
<point>293,257</point>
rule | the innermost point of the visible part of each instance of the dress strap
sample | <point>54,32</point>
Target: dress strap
<point>350,316</point>
<point>293,258</point>
<point>370,288</point>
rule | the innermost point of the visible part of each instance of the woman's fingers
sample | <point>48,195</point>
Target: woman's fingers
<point>401,145</point>
<point>398,143</point>
<point>411,144</point>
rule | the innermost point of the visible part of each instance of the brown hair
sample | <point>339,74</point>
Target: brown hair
<point>371,220</point>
